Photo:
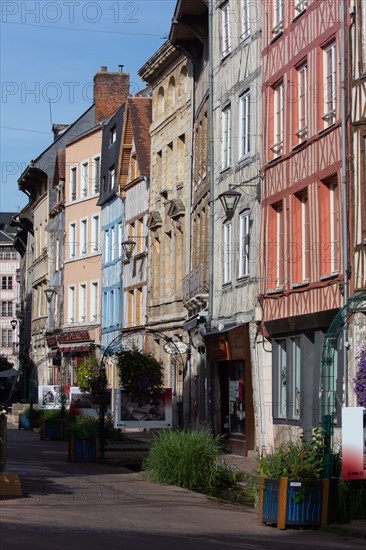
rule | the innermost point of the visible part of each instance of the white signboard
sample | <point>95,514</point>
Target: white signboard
<point>353,443</point>
<point>128,413</point>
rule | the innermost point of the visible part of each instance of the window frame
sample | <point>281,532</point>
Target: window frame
<point>245,19</point>
<point>227,252</point>
<point>73,182</point>
<point>84,179</point>
<point>244,126</point>
<point>244,232</point>
<point>226,138</point>
<point>288,379</point>
<point>225,29</point>
<point>330,83</point>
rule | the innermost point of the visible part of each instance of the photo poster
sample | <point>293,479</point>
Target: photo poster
<point>353,443</point>
<point>81,403</point>
<point>130,414</point>
<point>49,397</point>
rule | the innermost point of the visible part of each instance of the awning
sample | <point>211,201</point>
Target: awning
<point>10,373</point>
<point>82,348</point>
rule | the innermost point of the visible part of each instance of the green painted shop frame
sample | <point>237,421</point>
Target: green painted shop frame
<point>328,373</point>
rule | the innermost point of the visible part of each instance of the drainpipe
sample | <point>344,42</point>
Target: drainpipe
<point>212,204</point>
<point>344,188</point>
<point>212,164</point>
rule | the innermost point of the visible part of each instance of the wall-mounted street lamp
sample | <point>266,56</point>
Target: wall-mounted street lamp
<point>229,200</point>
<point>13,323</point>
<point>127,247</point>
<point>50,292</point>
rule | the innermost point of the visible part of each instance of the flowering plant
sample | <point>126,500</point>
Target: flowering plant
<point>360,378</point>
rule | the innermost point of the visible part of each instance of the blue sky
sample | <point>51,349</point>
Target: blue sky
<point>50,51</point>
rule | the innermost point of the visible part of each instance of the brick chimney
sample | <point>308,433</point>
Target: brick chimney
<point>110,92</point>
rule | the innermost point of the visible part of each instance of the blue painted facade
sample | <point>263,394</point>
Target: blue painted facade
<point>112,229</point>
<point>112,219</point>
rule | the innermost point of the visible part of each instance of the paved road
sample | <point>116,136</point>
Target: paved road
<point>99,506</point>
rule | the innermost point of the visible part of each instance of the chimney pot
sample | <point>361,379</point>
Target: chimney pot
<point>103,68</point>
<point>120,68</point>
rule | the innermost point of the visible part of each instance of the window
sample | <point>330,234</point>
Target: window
<point>287,378</point>
<point>84,179</point>
<point>330,84</point>
<point>72,241</point>
<point>6,282</point>
<point>73,180</point>
<point>278,14</point>
<point>106,246</point>
<point>96,174</point>
<point>112,135</point>
<point>139,228</point>
<point>111,308</point>
<point>82,303</point>
<point>245,19</point>
<point>94,301</point>
<point>243,269</point>
<point>302,125</point>
<point>105,309</point>
<point>171,91</point>
<point>83,237</point>
<point>329,227</point>
<point>227,252</point>
<point>301,238</point>
<point>95,233</point>
<point>6,338</point>
<point>6,309</point>
<point>57,255</point>
<point>275,273</point>
<point>278,120</point>
<point>120,239</point>
<point>225,138</point>
<point>161,103</point>
<point>112,243</point>
<point>111,177</point>
<point>138,306</point>
<point>225,29</point>
<point>71,304</point>
<point>130,319</point>
<point>244,128</point>
<point>300,6</point>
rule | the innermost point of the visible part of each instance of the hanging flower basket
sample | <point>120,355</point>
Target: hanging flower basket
<point>360,378</point>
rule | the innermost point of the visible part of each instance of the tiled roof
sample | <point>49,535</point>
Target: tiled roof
<point>6,232</point>
<point>140,110</point>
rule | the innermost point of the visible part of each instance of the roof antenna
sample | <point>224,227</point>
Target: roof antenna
<point>49,103</point>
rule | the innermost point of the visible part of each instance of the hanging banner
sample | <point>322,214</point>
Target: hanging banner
<point>353,443</point>
<point>157,413</point>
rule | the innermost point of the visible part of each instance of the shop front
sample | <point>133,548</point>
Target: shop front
<point>228,353</point>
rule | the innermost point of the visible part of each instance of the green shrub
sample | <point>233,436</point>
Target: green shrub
<point>83,427</point>
<point>301,460</point>
<point>187,459</point>
<point>351,501</point>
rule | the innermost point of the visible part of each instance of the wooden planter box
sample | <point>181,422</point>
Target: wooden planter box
<point>287,502</point>
<point>83,450</point>
<point>53,429</point>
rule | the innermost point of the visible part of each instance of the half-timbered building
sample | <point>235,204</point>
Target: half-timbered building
<point>301,248</point>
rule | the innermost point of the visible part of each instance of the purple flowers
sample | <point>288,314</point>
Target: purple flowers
<point>360,378</point>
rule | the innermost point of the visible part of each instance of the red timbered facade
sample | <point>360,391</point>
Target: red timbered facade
<point>301,200</point>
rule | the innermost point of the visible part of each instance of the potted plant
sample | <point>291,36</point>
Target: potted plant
<point>291,489</point>
<point>83,439</point>
<point>53,425</point>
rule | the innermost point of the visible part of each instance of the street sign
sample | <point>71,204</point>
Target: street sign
<point>173,348</point>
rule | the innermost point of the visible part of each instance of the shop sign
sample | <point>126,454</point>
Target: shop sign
<point>79,336</point>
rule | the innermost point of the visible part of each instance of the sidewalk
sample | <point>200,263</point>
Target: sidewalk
<point>45,469</point>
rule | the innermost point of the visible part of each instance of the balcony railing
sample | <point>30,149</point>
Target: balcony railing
<point>195,285</point>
